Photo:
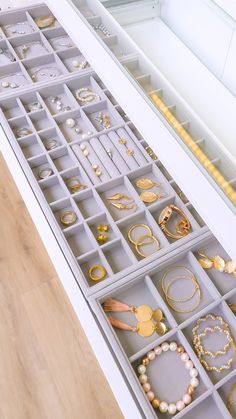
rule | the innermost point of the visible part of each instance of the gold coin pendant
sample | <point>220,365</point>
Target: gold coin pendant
<point>143,313</point>
<point>146,329</point>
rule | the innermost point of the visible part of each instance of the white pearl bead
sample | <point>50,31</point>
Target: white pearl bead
<point>193,372</point>
<point>184,357</point>
<point>165,346</point>
<point>84,136</point>
<point>70,122</point>
<point>75,63</point>
<point>189,365</point>
<point>163,407</point>
<point>158,350</point>
<point>143,378</point>
<point>151,355</point>
<point>187,398</point>
<point>194,382</point>
<point>172,409</point>
<point>5,84</point>
<point>173,346</point>
<point>150,395</point>
<point>141,369</point>
<point>146,387</point>
<point>78,130</point>
<point>180,405</point>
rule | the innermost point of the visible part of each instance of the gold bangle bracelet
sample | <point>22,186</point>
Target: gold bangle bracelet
<point>139,244</point>
<point>98,268</point>
<point>182,227</point>
<point>133,227</point>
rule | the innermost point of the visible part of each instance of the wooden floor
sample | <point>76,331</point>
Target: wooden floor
<point>47,368</point>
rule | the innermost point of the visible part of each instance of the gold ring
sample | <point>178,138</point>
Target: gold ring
<point>98,268</point>
<point>68,218</point>
<point>182,227</point>
<point>138,244</point>
<point>74,185</point>
<point>133,227</point>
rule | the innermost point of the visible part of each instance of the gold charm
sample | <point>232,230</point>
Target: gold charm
<point>143,313</point>
<point>122,141</point>
<point>45,21</point>
<point>157,315</point>
<point>103,227</point>
<point>161,328</point>
<point>146,329</point>
<point>119,196</point>
<point>101,238</point>
<point>145,183</point>
<point>205,263</point>
<point>219,263</point>
<point>149,197</point>
<point>130,152</point>
<point>121,206</point>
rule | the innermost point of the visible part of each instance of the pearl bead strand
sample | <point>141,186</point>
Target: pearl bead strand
<point>163,406</point>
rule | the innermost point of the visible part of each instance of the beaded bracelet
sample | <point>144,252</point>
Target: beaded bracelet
<point>163,406</point>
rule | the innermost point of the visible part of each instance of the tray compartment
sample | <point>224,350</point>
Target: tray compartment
<point>52,189</point>
<point>30,46</point>
<point>17,23</point>
<point>12,77</point>
<point>51,68</point>
<point>81,122</point>
<point>58,99</point>
<point>58,208</point>
<point>40,120</point>
<point>62,159</point>
<point>117,256</point>
<point>39,163</point>
<point>30,146</point>
<point>47,135</point>
<point>88,203</point>
<point>103,109</point>
<point>21,126</point>
<point>11,108</point>
<point>87,82</point>
<point>91,259</point>
<point>73,60</point>
<point>42,11</point>
<point>59,39</point>
<point>79,240</point>
<point>7,55</point>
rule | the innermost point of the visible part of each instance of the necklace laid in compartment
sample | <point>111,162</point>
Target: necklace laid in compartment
<point>86,95</point>
<point>7,54</point>
<point>46,72</point>
<point>24,49</point>
<point>60,41</point>
<point>21,26</point>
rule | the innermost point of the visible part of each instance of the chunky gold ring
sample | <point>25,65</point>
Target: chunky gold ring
<point>182,227</point>
<point>98,268</point>
<point>68,218</point>
<point>139,243</point>
<point>133,227</point>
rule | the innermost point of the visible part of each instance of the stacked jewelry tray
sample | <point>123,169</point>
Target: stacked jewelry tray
<point>120,160</point>
<point>72,129</point>
<point>34,49</point>
<point>145,288</point>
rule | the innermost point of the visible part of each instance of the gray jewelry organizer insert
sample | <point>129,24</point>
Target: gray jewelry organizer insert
<point>127,274</point>
<point>29,54</point>
<point>218,291</point>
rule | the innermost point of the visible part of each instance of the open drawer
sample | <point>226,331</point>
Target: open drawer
<point>96,192</point>
<point>175,123</point>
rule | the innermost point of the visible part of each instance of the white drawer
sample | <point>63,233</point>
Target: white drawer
<point>73,249</point>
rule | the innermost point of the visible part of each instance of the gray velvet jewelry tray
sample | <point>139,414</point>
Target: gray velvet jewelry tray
<point>119,174</point>
<point>218,290</point>
<point>129,277</point>
<point>29,54</point>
